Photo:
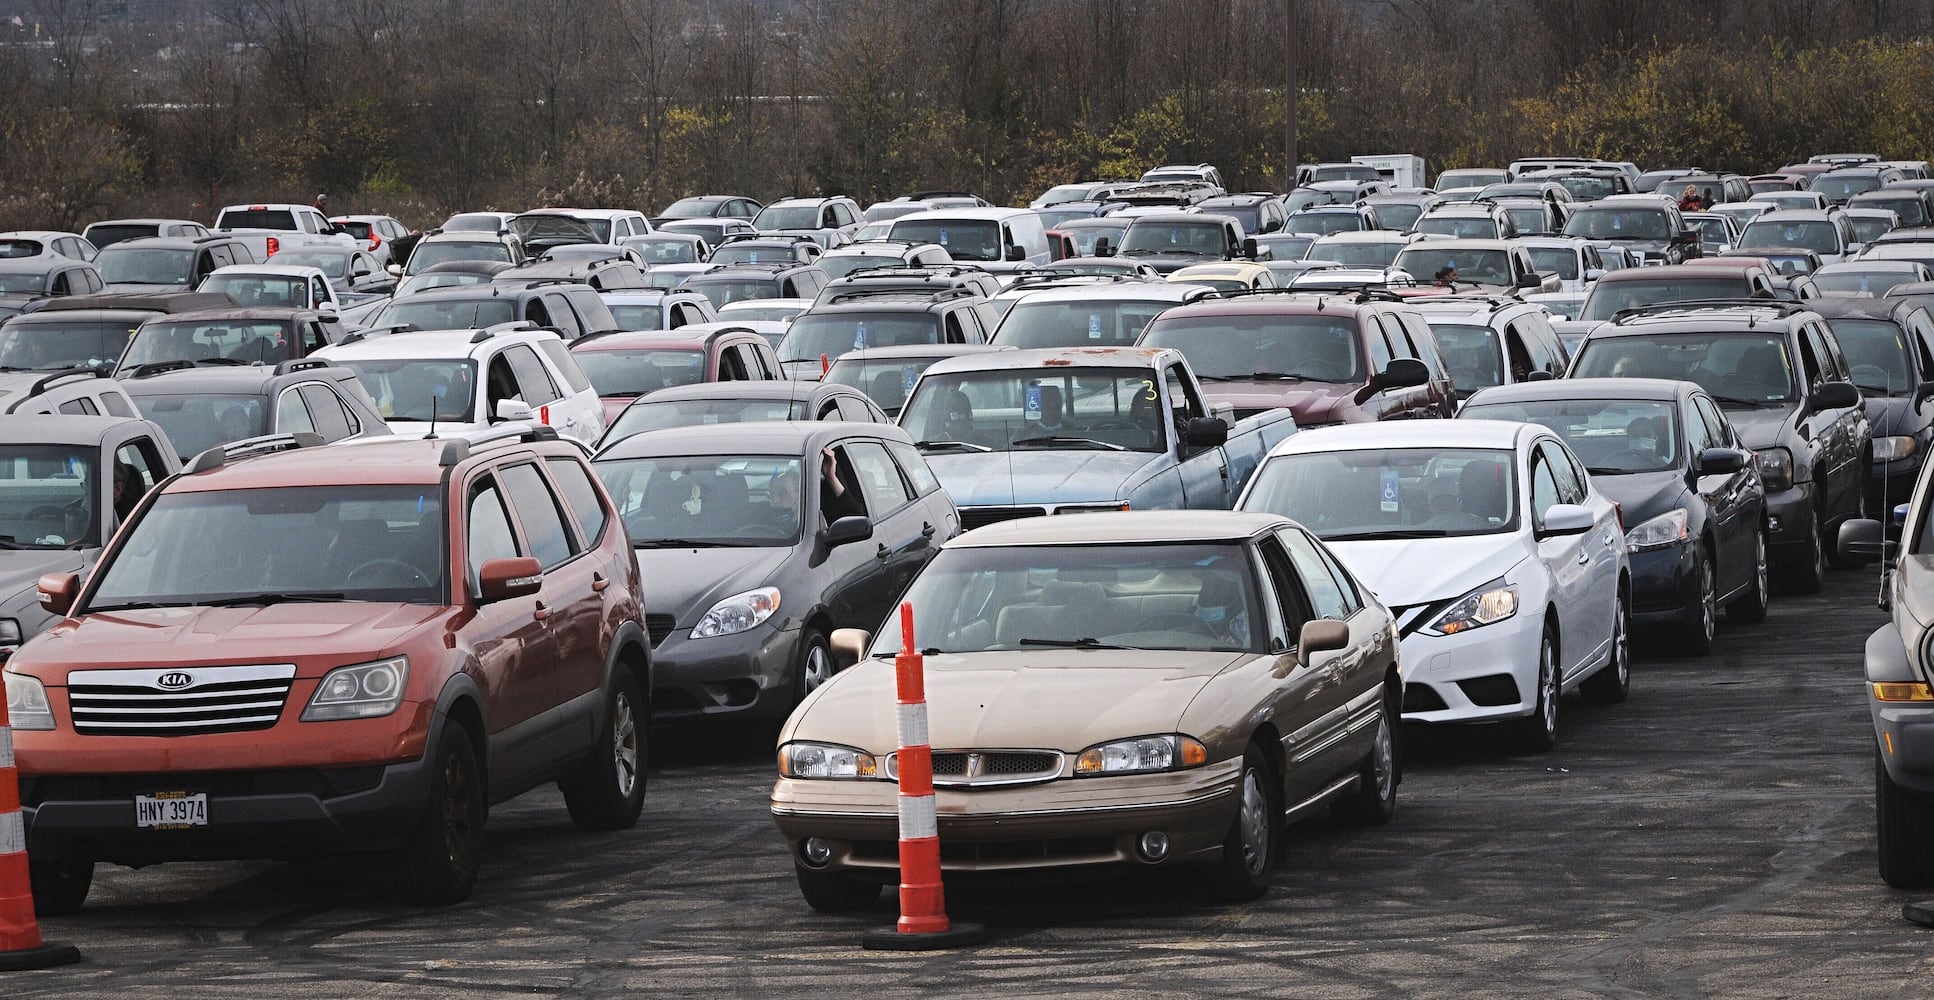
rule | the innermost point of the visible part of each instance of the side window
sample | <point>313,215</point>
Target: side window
<point>879,478</point>
<point>60,284</point>
<point>1810,359</point>
<point>566,365</point>
<point>843,214</point>
<point>291,415</point>
<point>313,339</point>
<point>1516,353</point>
<point>537,313</point>
<point>137,467</point>
<point>318,290</point>
<point>1292,603</point>
<point>954,333</point>
<point>532,379</point>
<point>116,404</point>
<point>1700,431</point>
<point>1327,596</point>
<point>1829,347</point>
<point>1544,488</point>
<point>538,512</point>
<point>732,365</point>
<point>565,319</point>
<point>853,409</point>
<point>582,497</point>
<point>914,466</point>
<point>79,406</point>
<point>331,417</point>
<point>1395,335</point>
<point>1379,347</point>
<point>767,361</point>
<point>1423,342</point>
<point>1571,489</point>
<point>970,327</point>
<point>1181,395</point>
<point>1722,431</point>
<point>488,529</point>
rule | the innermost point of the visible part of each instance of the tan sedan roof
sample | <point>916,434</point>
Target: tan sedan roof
<point>1124,527</point>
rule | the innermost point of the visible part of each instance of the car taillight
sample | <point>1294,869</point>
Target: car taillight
<point>273,245</point>
<point>375,239</point>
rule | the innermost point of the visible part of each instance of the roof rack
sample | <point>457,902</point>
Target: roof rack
<point>158,367</point>
<point>936,295</point>
<point>457,449</point>
<point>507,327</point>
<point>884,271</point>
<point>268,444</point>
<point>1043,275</point>
<point>542,282</point>
<point>1781,307</point>
<point>294,365</point>
<point>357,336</point>
<point>42,385</point>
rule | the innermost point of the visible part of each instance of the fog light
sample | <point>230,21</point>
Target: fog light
<point>1772,524</point>
<point>816,851</point>
<point>1154,845</point>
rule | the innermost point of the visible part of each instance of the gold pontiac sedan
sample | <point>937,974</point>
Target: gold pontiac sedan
<point>1134,689</point>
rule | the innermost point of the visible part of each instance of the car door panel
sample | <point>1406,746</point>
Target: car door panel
<point>512,643</point>
<point>569,607</point>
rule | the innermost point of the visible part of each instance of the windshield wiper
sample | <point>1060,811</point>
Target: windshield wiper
<point>1741,401</point>
<point>1055,440</point>
<point>131,606</point>
<point>248,600</point>
<point>1351,536</point>
<point>1083,643</point>
<point>950,446</point>
<point>693,543</point>
<point>1606,470</point>
<point>217,359</point>
<point>1279,376</point>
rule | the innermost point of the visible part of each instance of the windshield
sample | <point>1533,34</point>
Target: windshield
<point>1085,237</point>
<point>1076,324</point>
<point>130,266</point>
<point>475,222</point>
<point>1817,236</point>
<point>273,290</point>
<point>442,279</point>
<point>331,264</point>
<point>643,317</point>
<point>258,218</point>
<point>444,252</point>
<point>833,334</point>
<point>1840,188</point>
<point>1563,260</point>
<point>234,341</point>
<point>787,217</point>
<point>1589,188</point>
<point>1398,215</point>
<point>634,373</point>
<point>1324,223</point>
<point>1620,224</point>
<point>651,415</point>
<point>1867,230</point>
<point>560,229</point>
<point>1529,220</point>
<point>72,344</point>
<point>1282,247</point>
<point>1480,267</point>
<point>1182,597</point>
<point>1192,239</point>
<point>104,236</point>
<point>841,265</point>
<point>1108,409</point>
<point>659,250</point>
<point>1612,437</point>
<point>1710,230</point>
<point>1469,178</point>
<point>690,208</point>
<point>754,311</point>
<point>965,239</point>
<point>48,493</point>
<point>703,501</point>
<point>1317,348</point>
<point>1877,358</point>
<point>1432,492</point>
<point>16,282</point>
<point>1471,355</point>
<point>330,543</point>
<point>1857,282</point>
<point>1481,227</point>
<point>1249,215</point>
<point>196,423</point>
<point>1912,211</point>
<point>724,291</point>
<point>413,389</point>
<point>745,252</point>
<point>1736,369</point>
<point>885,380</point>
<point>1608,297</point>
<point>447,314</point>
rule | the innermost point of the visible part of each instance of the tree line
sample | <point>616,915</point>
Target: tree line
<point>417,108</point>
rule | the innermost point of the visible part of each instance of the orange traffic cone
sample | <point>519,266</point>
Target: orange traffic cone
<point>20,943</point>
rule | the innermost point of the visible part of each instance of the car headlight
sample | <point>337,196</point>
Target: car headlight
<point>1487,605</point>
<point>1668,528</point>
<point>9,637</point>
<point>1776,468</point>
<point>738,613</point>
<point>1171,752</point>
<point>828,761</point>
<point>361,691</point>
<point>27,706</point>
<point>1893,449</point>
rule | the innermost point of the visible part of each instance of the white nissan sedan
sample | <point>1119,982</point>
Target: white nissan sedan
<point>1504,567</point>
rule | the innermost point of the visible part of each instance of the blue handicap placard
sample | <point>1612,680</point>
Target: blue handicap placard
<point>1033,403</point>
<point>859,337</point>
<point>1389,492</point>
<point>907,375</point>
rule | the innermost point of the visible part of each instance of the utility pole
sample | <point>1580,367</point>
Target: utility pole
<point>1289,94</point>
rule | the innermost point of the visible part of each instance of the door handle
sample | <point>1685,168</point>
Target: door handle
<point>881,553</point>
<point>598,583</point>
<point>541,613</point>
<point>926,529</point>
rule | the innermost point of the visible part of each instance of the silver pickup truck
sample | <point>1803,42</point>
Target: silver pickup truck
<point>268,229</point>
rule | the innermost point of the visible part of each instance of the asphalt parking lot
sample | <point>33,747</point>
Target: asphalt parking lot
<point>1713,836</point>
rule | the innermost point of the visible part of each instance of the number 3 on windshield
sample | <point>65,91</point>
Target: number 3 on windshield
<point>1150,386</point>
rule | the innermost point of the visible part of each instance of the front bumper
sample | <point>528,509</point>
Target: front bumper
<point>1665,584</point>
<point>1481,675</point>
<point>744,674</point>
<point>1891,483</point>
<point>1063,823</point>
<point>1905,731</point>
<point>1788,516</point>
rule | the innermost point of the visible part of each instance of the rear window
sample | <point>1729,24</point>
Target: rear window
<point>257,218</point>
<point>200,422</point>
<point>238,341</point>
<point>1076,324</point>
<point>1287,348</point>
<point>448,315</point>
<point>104,236</point>
<point>834,334</point>
<point>634,373</point>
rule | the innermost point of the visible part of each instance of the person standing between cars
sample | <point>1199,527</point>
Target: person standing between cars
<point>321,204</point>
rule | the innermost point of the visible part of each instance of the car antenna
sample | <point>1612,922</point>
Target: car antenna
<point>436,403</point>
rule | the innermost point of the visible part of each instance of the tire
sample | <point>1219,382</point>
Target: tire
<point>1248,860</point>
<point>1702,618</point>
<point>835,892</point>
<point>1539,732</point>
<point>440,857</point>
<point>59,887</point>
<point>812,665</point>
<point>1613,681</point>
<point>1806,572</point>
<point>608,790</point>
<point>1904,832</point>
<point>1750,607</point>
<point>1374,801</point>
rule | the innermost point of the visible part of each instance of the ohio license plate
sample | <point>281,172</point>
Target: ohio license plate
<point>170,810</point>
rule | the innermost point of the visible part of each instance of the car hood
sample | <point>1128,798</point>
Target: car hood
<point>316,636</point>
<point>1642,496</point>
<point>1892,415</point>
<point>1048,476</point>
<point>1311,402</point>
<point>1407,571</point>
<point>1760,429</point>
<point>1169,263</point>
<point>21,569</point>
<point>1017,699</point>
<point>685,583</point>
<point>142,288</point>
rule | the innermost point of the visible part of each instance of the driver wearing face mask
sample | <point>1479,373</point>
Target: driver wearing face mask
<point>1220,607</point>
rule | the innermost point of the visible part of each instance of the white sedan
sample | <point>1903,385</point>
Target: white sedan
<point>1505,568</point>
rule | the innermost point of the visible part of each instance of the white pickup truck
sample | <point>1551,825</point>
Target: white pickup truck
<point>289,286</point>
<point>271,228</point>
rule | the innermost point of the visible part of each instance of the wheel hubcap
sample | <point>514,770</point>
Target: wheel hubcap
<point>819,667</point>
<point>456,810</point>
<point>1621,660</point>
<point>1384,757</point>
<point>1759,568</point>
<point>1255,823</point>
<point>1548,687</point>
<point>624,745</point>
<point>1708,600</point>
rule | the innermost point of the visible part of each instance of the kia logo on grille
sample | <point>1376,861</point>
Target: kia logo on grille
<point>174,680</point>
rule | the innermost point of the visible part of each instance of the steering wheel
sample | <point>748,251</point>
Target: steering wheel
<point>1176,621</point>
<point>1628,458</point>
<point>1114,425</point>
<point>48,510</point>
<point>1873,375</point>
<point>417,577</point>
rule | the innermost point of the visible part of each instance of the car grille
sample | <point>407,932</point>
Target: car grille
<point>178,702</point>
<point>979,768</point>
<point>659,626</point>
<point>980,517</point>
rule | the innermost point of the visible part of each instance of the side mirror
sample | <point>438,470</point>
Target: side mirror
<point>1402,373</point>
<point>1320,635</point>
<point>395,270</point>
<point>1540,375</point>
<point>1594,273</point>
<point>57,592</point>
<point>503,579</point>
<point>1530,280</point>
<point>1249,247</point>
<point>1205,432</point>
<point>852,528</point>
<point>1922,392</point>
<point>1835,396</point>
<point>849,646</point>
<point>361,272</point>
<point>513,409</point>
<point>1566,519</point>
<point>1863,539</point>
<point>327,307</point>
<point>1720,461</point>
<point>1686,237</point>
<point>1014,253</point>
<point>1103,248</point>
